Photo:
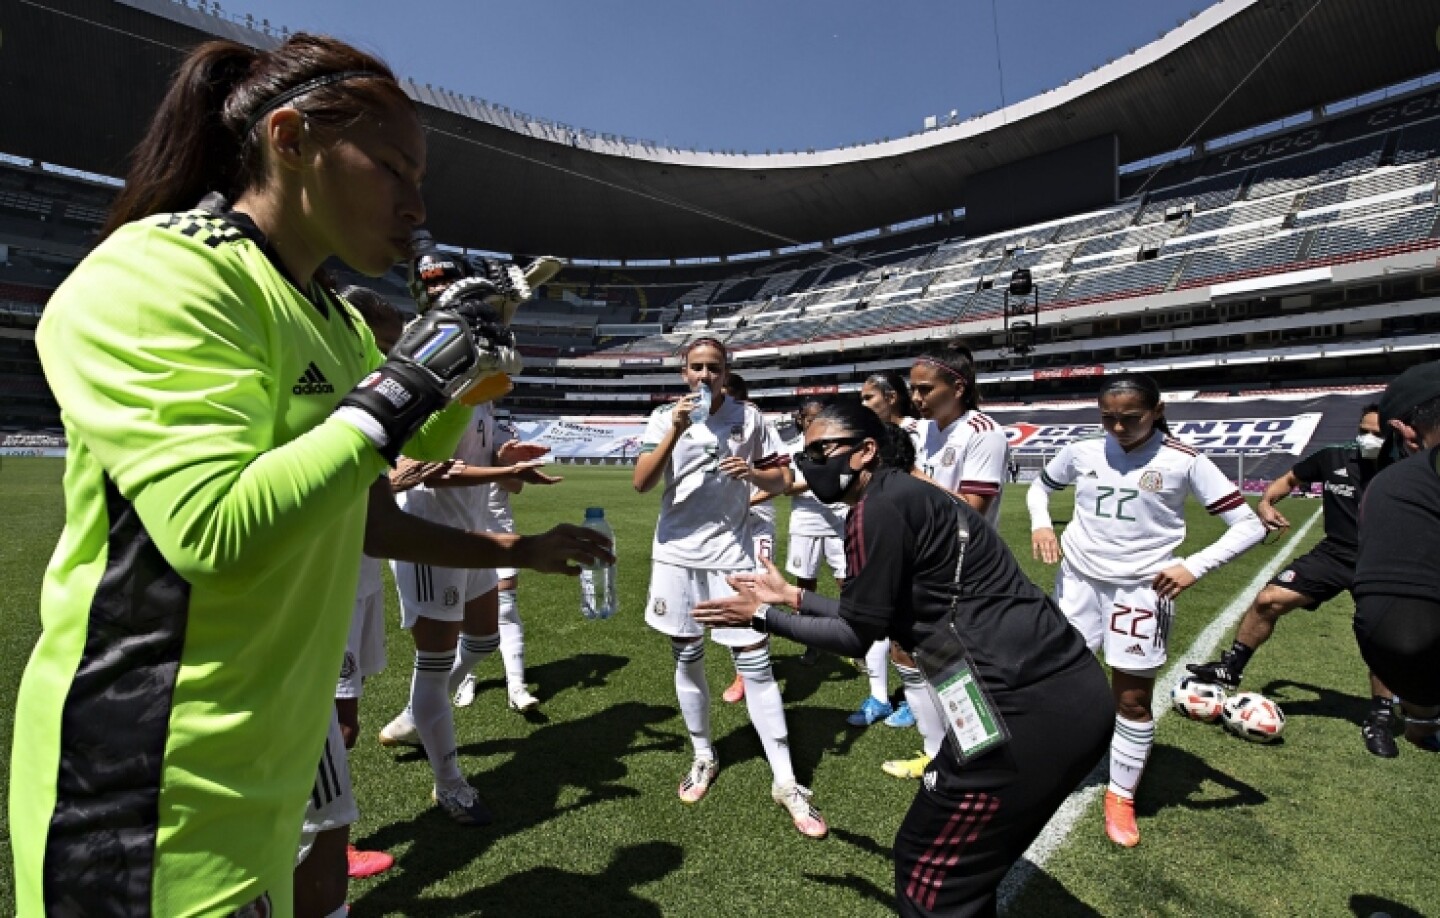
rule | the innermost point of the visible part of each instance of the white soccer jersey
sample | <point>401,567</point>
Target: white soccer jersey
<point>808,516</point>
<point>465,507</point>
<point>1130,507</point>
<point>704,516</point>
<point>968,457</point>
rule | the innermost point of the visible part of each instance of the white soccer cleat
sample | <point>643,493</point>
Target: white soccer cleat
<point>400,732</point>
<point>697,782</point>
<point>521,700</point>
<point>796,801</point>
<point>465,694</point>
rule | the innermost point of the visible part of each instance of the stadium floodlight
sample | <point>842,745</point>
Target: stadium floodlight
<point>1020,282</point>
<point>1022,314</point>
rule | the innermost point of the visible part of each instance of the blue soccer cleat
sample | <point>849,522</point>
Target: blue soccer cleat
<point>903,716</point>
<point>871,710</point>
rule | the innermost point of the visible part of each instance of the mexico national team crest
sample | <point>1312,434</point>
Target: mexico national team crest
<point>737,432</point>
<point>947,458</point>
<point>1152,481</point>
<point>452,596</point>
<point>658,605</point>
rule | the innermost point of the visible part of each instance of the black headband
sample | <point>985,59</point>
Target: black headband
<point>295,92</point>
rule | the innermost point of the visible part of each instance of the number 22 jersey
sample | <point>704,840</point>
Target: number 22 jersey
<point>1130,507</point>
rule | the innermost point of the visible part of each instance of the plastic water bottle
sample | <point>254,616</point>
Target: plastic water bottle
<point>597,582</point>
<point>702,411</point>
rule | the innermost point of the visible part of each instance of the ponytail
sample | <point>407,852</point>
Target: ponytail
<point>955,361</point>
<point>188,150</point>
<point>205,136</point>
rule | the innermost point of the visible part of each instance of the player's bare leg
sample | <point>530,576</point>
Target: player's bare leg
<point>1257,625</point>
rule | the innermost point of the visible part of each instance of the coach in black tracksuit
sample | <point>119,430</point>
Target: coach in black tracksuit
<point>1397,574</point>
<point>969,823</point>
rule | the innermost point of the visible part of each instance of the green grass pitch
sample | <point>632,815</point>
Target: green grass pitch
<point>587,821</point>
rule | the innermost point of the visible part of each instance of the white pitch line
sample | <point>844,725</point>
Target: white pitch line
<point>1058,829</point>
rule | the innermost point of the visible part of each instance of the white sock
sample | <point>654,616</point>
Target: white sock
<point>512,641</point>
<point>1129,748</point>
<point>767,711</point>
<point>693,693</point>
<point>928,719</point>
<point>430,708</point>
<point>473,649</point>
<point>877,660</point>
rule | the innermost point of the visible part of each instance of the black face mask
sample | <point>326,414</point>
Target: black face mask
<point>828,480</point>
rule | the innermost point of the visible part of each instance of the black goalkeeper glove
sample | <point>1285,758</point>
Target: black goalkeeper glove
<point>437,359</point>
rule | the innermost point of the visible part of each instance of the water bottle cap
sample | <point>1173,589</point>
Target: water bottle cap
<point>594,513</point>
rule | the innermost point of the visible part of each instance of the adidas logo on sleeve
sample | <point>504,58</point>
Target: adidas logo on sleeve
<point>312,382</point>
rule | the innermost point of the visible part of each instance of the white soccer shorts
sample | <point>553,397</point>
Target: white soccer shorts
<point>332,800</point>
<point>674,591</point>
<point>365,646</point>
<point>439,593</point>
<point>1128,619</point>
<point>803,558</point>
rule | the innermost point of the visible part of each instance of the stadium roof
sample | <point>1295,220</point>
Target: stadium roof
<point>80,78</point>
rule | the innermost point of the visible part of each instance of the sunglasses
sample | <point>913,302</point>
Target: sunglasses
<point>816,450</point>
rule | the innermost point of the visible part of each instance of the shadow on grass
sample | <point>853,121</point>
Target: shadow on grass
<point>1175,777</point>
<point>1325,702</point>
<point>548,892</point>
<point>1045,895</point>
<point>584,670</point>
<point>1363,906</point>
<point>813,733</point>
<point>524,792</point>
<point>800,681</point>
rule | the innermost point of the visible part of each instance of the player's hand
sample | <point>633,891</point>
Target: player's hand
<point>769,585</point>
<point>730,612</point>
<point>513,452</point>
<point>680,414</point>
<point>1173,581</point>
<point>529,473</point>
<point>563,550</point>
<point>735,467</point>
<point>1044,546</point>
<point>1272,519</point>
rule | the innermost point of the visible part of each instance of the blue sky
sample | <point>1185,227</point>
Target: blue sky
<point>740,75</point>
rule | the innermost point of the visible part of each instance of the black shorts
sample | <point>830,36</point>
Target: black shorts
<point>1322,573</point>
<point>970,823</point>
<point>1399,638</point>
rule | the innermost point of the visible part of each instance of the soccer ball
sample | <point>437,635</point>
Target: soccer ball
<point>1252,716</point>
<point>1202,701</point>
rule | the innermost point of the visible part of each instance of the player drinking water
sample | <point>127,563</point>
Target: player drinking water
<point>1119,575</point>
<point>701,537</point>
<point>226,415</point>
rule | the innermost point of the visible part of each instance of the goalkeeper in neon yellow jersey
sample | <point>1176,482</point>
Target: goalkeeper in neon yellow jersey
<point>226,416</point>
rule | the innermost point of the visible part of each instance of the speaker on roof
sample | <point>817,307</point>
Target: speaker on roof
<point>1020,282</point>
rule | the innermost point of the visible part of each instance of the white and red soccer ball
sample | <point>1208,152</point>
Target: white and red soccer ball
<point>1202,701</point>
<point>1252,716</point>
